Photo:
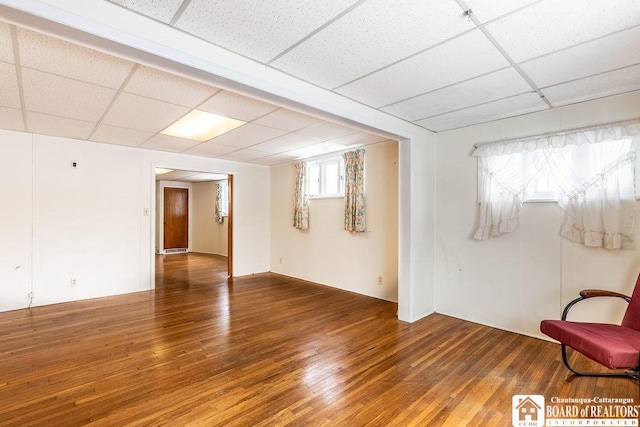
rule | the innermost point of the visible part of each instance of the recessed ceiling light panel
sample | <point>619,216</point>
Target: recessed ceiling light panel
<point>201,126</point>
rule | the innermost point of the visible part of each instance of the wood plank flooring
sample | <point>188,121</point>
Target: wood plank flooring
<point>266,350</point>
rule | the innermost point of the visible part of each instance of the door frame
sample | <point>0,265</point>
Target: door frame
<point>160,216</point>
<point>151,249</point>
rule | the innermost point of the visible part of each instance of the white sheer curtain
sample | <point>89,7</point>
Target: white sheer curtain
<point>591,174</point>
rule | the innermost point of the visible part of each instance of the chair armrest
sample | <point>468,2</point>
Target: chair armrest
<point>592,293</point>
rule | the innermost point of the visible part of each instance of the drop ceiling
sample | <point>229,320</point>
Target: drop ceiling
<point>440,64</point>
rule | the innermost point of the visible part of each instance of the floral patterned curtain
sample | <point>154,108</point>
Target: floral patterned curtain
<point>354,191</point>
<point>300,203</point>
<point>219,210</point>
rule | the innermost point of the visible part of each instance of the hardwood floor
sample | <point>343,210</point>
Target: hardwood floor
<point>266,350</point>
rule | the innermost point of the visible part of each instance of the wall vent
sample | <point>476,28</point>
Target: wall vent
<point>175,251</point>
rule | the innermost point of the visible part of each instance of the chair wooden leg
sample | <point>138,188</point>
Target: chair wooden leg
<point>633,373</point>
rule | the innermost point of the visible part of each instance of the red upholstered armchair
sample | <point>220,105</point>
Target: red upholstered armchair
<point>614,346</point>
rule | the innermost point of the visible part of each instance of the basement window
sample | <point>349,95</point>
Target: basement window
<point>325,177</point>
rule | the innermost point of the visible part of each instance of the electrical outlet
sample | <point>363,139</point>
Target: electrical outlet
<point>74,283</point>
<point>280,260</point>
<point>31,295</point>
<point>379,280</point>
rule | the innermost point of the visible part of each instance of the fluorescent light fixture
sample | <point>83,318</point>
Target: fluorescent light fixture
<point>162,171</point>
<point>201,126</point>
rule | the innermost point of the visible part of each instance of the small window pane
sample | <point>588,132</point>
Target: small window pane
<point>331,178</point>
<point>314,180</point>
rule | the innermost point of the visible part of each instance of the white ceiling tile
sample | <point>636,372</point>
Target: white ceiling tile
<point>11,119</point>
<point>235,106</point>
<point>604,54</point>
<point>327,130</point>
<point>120,136</point>
<point>612,83</point>
<point>464,57</point>
<point>58,126</point>
<point>272,160</point>
<point>247,135</point>
<point>360,138</point>
<point>9,92</point>
<point>6,44</point>
<point>490,87</point>
<point>287,120</point>
<point>552,25</point>
<point>485,10</point>
<point>496,110</point>
<point>162,10</point>
<point>167,87</point>
<point>244,155</point>
<point>209,149</point>
<point>371,36</point>
<point>259,31</point>
<point>169,143</point>
<point>61,96</point>
<point>136,112</point>
<point>49,54</point>
<point>287,142</point>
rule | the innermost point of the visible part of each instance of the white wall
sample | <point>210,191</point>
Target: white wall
<point>89,223</point>
<point>515,280</point>
<point>15,219</point>
<point>327,254</point>
<point>210,237</point>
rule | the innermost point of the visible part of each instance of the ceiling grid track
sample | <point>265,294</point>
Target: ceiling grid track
<point>18,65</point>
<point>113,101</point>
<point>469,13</point>
<point>316,31</point>
<point>185,4</point>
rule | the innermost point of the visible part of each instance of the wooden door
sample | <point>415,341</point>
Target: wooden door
<point>176,218</point>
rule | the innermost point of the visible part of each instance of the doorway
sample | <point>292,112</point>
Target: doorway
<point>176,219</point>
<point>193,213</point>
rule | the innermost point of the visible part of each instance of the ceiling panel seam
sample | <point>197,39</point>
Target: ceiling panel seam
<point>113,101</point>
<point>473,106</point>
<point>316,31</point>
<point>18,65</point>
<point>405,58</point>
<point>185,4</point>
<point>590,76</point>
<point>446,86</point>
<point>578,44</point>
<point>503,52</point>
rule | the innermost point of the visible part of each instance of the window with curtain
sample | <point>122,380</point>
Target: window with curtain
<point>354,218</point>
<point>222,201</point>
<point>590,173</point>
<point>300,202</point>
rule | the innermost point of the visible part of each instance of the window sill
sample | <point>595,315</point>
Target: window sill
<point>339,196</point>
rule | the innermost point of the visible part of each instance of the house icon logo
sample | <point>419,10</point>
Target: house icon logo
<point>528,411</point>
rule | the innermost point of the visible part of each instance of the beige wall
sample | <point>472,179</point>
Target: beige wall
<point>326,253</point>
<point>209,236</point>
